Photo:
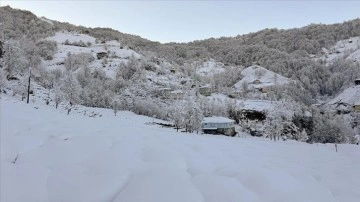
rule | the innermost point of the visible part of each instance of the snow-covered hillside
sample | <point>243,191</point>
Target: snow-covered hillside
<point>115,52</point>
<point>258,77</point>
<point>209,68</point>
<point>47,155</point>
<point>347,49</point>
<point>349,96</point>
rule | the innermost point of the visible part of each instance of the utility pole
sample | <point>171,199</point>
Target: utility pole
<point>2,40</point>
<point>2,31</point>
<point>28,90</point>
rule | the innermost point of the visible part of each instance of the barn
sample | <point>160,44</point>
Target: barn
<point>218,125</point>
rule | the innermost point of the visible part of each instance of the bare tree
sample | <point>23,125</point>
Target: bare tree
<point>58,95</point>
<point>115,107</point>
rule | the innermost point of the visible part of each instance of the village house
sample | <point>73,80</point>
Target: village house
<point>173,70</point>
<point>218,125</point>
<point>205,90</point>
<point>101,55</point>
<point>264,89</point>
<point>176,94</point>
<point>256,81</point>
<point>237,94</point>
<point>165,92</point>
<point>188,82</point>
<point>357,106</point>
<point>348,100</point>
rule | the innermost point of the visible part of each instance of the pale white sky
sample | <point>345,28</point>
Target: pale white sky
<point>183,21</point>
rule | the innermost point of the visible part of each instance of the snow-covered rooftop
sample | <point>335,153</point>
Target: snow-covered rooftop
<point>176,92</point>
<point>348,96</point>
<point>217,119</point>
<point>206,86</point>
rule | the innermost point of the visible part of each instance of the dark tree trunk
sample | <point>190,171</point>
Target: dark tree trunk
<point>28,90</point>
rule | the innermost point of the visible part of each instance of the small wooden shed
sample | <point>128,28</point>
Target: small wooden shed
<point>357,106</point>
<point>205,90</point>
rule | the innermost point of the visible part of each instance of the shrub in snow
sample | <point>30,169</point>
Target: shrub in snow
<point>58,95</point>
<point>75,61</point>
<point>148,107</point>
<point>46,49</point>
<point>130,70</point>
<point>71,89</point>
<point>330,129</point>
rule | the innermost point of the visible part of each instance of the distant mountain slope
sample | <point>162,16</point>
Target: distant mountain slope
<point>18,23</point>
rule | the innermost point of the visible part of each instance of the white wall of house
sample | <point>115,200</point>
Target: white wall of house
<point>205,125</point>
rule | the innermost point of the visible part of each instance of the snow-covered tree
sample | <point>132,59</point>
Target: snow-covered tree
<point>71,89</point>
<point>330,129</point>
<point>280,119</point>
<point>2,79</point>
<point>58,94</point>
<point>176,113</point>
<point>83,76</point>
<point>75,61</point>
<point>14,59</point>
<point>192,115</point>
<point>46,49</point>
<point>115,107</point>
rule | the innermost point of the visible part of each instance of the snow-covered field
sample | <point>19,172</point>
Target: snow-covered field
<point>47,155</point>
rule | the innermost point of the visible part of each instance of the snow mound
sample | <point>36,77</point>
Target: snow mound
<point>258,77</point>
